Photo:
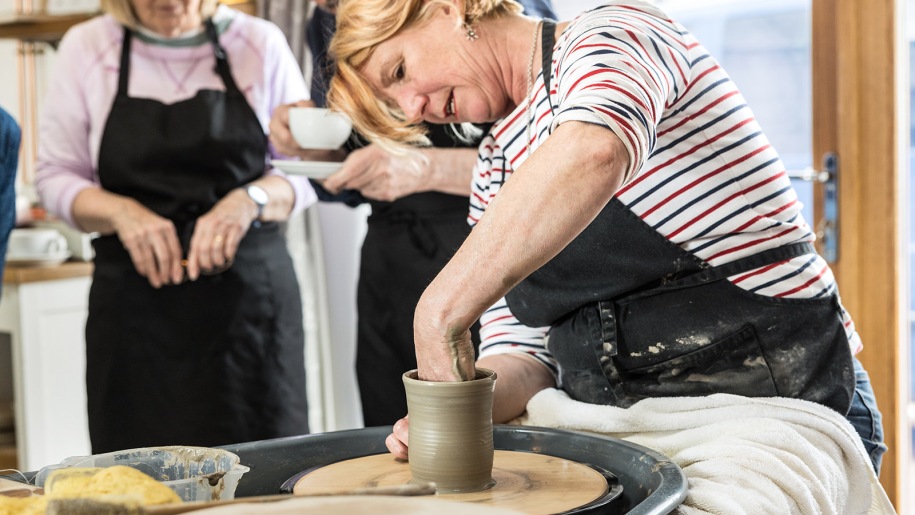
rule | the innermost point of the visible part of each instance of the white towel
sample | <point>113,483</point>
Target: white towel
<point>739,454</point>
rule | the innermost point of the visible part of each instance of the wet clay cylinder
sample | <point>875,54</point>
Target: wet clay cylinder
<point>451,431</point>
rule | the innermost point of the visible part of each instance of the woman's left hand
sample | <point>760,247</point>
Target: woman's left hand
<point>218,233</point>
<point>396,442</point>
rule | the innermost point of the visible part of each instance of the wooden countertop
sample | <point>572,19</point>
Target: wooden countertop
<point>31,274</point>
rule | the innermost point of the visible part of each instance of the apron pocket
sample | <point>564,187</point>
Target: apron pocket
<point>733,364</point>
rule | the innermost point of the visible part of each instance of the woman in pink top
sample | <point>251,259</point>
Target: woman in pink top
<point>154,137</point>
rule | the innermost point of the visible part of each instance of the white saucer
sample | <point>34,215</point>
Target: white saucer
<point>310,169</point>
<point>38,259</point>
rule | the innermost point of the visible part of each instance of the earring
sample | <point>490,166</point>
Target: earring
<point>471,34</point>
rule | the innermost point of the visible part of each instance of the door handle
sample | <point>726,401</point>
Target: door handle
<point>828,228</point>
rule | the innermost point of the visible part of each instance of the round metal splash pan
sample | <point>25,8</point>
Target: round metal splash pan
<point>651,483</point>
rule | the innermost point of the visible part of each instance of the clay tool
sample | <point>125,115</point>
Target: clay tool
<point>10,488</point>
<point>104,507</point>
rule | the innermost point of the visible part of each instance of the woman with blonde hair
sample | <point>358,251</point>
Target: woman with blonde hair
<point>154,136</point>
<point>627,209</point>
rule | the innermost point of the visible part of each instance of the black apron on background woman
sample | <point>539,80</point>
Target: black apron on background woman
<point>216,361</point>
<point>407,244</point>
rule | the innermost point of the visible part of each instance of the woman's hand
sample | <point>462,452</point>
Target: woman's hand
<point>284,143</point>
<point>441,331</point>
<point>379,175</point>
<point>444,351</point>
<point>152,242</point>
<point>218,233</point>
<point>396,442</point>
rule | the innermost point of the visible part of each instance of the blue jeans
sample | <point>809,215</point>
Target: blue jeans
<point>865,417</point>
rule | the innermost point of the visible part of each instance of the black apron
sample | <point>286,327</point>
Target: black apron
<point>407,244</point>
<point>216,361</point>
<point>633,315</point>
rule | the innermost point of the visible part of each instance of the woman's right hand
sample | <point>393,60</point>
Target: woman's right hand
<point>396,442</point>
<point>152,242</point>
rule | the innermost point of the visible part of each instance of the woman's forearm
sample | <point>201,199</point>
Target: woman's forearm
<point>97,210</point>
<point>518,378</point>
<point>281,197</point>
<point>540,209</point>
<point>450,170</point>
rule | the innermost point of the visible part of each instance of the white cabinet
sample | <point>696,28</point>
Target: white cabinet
<point>45,317</point>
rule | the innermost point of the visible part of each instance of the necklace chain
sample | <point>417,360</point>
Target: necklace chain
<point>530,85</point>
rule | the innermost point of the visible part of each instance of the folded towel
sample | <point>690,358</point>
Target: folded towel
<point>739,454</point>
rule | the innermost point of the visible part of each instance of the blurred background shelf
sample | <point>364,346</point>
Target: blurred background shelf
<point>39,27</point>
<point>50,28</point>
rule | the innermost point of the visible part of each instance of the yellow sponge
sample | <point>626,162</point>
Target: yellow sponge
<point>34,505</point>
<point>119,480</point>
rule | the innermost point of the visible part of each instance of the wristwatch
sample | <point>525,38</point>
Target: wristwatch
<point>259,196</point>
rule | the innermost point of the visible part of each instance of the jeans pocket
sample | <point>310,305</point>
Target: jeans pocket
<point>733,364</point>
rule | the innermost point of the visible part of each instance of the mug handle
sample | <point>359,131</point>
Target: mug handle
<point>57,244</point>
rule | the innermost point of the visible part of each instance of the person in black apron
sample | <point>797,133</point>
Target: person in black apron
<point>630,313</point>
<point>407,242</point>
<point>213,361</point>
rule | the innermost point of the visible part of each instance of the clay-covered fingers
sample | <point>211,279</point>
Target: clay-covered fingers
<point>280,135</point>
<point>441,355</point>
<point>396,442</point>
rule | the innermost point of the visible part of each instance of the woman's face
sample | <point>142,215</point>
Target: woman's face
<point>168,17</point>
<point>435,74</point>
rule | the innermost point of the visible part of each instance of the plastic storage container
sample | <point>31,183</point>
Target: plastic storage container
<point>194,473</point>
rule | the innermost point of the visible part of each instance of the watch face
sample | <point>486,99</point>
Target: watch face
<point>258,195</point>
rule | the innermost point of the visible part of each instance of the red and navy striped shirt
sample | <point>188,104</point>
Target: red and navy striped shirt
<point>702,173</point>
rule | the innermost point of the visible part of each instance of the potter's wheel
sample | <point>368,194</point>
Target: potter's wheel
<point>527,482</point>
<point>349,504</point>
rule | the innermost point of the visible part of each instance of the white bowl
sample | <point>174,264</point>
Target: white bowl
<point>318,128</point>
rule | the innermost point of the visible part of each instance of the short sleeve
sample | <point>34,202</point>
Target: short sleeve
<point>621,67</point>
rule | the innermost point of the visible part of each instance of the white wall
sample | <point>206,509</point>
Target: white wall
<point>342,231</point>
<point>567,9</point>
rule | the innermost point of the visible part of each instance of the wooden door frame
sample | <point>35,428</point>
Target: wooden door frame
<point>856,114</point>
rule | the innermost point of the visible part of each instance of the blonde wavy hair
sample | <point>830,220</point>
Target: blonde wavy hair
<point>364,24</point>
<point>123,12</point>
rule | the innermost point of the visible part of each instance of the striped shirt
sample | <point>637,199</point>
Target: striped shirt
<point>701,173</point>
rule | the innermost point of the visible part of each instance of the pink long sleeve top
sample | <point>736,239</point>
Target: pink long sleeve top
<point>85,81</point>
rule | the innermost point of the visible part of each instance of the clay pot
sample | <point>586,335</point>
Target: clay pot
<point>451,431</point>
